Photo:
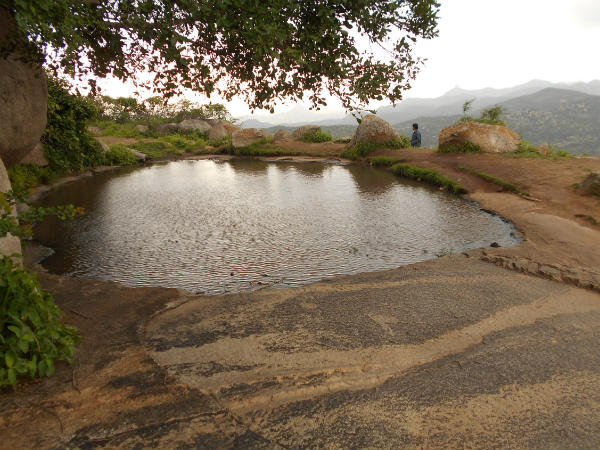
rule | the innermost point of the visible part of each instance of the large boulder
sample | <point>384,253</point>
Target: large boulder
<point>373,129</point>
<point>23,99</point>
<point>300,133</point>
<point>8,244</point>
<point>282,136</point>
<point>217,131</point>
<point>490,138</point>
<point>247,136</point>
<point>591,184</point>
<point>191,125</point>
<point>36,156</point>
<point>167,128</point>
<point>141,128</point>
<point>230,127</point>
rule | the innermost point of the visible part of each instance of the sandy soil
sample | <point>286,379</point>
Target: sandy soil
<point>453,352</point>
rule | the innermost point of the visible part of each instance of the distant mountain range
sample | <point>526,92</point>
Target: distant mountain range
<point>564,115</point>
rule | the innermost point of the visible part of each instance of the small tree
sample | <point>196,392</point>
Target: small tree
<point>467,107</point>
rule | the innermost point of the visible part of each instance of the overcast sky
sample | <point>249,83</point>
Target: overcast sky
<point>494,43</point>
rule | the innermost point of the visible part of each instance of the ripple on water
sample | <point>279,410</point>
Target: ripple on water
<point>216,227</point>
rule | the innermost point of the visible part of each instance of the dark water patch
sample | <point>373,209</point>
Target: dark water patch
<point>215,227</point>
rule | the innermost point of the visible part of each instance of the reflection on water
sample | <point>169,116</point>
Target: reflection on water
<point>217,227</point>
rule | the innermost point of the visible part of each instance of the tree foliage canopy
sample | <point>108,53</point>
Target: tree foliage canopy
<point>262,50</point>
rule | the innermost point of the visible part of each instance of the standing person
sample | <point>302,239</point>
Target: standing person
<point>415,140</point>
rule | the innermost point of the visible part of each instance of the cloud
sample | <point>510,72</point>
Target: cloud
<point>586,13</point>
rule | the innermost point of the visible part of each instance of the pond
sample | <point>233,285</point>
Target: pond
<point>224,226</point>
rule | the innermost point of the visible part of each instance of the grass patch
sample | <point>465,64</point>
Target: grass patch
<point>156,149</point>
<point>428,176</point>
<point>185,142</point>
<point>529,150</point>
<point>505,185</point>
<point>119,155</point>
<point>466,147</point>
<point>123,130</point>
<point>318,136</point>
<point>383,161</point>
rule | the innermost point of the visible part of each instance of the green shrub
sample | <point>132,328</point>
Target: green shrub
<point>383,161</point>
<point>466,147</point>
<point>32,335</point>
<point>428,176</point>
<point>68,145</point>
<point>492,116</point>
<point>401,141</point>
<point>119,155</point>
<point>30,175</point>
<point>318,136</point>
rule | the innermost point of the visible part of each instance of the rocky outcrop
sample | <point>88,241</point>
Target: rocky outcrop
<point>217,131</point>
<point>301,132</point>
<point>247,136</point>
<point>36,156</point>
<point>8,244</point>
<point>191,125</point>
<point>141,128</point>
<point>374,129</point>
<point>282,135</point>
<point>591,184</point>
<point>490,138</point>
<point>167,128</point>
<point>23,100</point>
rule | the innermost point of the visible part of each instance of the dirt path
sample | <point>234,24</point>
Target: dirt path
<point>453,352</point>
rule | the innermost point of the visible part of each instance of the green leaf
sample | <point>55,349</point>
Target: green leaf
<point>9,359</point>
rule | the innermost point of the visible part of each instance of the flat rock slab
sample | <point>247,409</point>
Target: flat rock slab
<point>448,353</point>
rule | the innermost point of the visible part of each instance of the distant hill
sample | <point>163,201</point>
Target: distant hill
<point>566,119</point>
<point>451,102</point>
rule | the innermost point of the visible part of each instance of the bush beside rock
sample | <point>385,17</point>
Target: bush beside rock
<point>305,130</point>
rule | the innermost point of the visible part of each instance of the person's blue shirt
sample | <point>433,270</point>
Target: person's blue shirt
<point>415,140</point>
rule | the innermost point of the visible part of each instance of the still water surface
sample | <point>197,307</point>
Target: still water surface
<point>224,226</point>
